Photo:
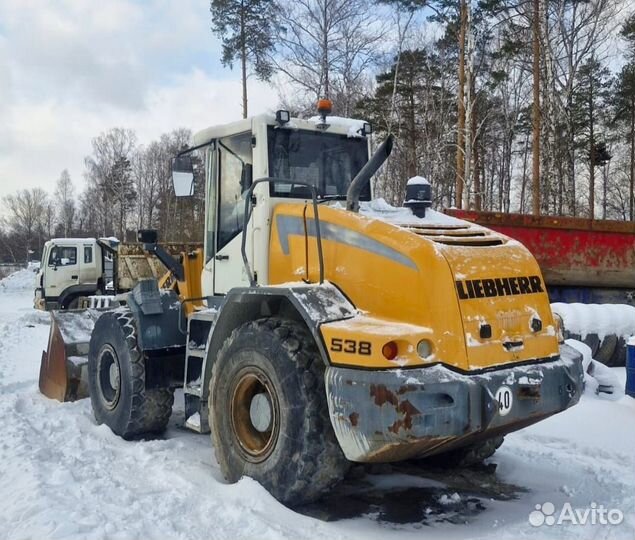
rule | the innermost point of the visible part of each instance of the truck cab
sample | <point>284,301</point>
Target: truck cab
<point>71,268</point>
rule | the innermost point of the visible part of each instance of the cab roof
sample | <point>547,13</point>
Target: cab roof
<point>336,124</point>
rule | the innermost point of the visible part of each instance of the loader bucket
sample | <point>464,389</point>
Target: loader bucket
<point>63,371</point>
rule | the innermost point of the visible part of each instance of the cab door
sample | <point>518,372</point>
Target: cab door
<point>88,267</point>
<point>230,176</point>
<point>62,270</point>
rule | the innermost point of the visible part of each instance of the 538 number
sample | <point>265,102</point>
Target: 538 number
<point>351,346</point>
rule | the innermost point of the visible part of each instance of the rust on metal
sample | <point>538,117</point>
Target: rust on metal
<point>382,395</point>
<point>354,418</point>
<point>408,411</point>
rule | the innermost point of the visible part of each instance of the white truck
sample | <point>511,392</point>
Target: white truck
<point>76,268</point>
<point>73,268</point>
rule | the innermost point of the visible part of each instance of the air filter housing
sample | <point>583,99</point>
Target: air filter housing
<point>418,195</point>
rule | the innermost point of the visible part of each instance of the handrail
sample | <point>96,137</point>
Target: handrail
<point>248,207</point>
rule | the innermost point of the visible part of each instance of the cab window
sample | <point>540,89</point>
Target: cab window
<point>63,256</point>
<point>327,161</point>
<point>88,254</point>
<point>235,167</point>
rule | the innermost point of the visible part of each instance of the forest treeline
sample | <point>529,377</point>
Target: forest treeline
<point>513,106</point>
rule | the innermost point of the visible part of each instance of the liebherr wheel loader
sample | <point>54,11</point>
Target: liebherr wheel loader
<point>314,334</point>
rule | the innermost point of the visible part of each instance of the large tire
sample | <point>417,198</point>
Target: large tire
<point>619,355</point>
<point>606,350</point>
<point>116,378</point>
<point>70,303</point>
<point>289,445</point>
<point>466,456</point>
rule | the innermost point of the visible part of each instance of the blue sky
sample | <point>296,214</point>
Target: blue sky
<point>70,69</point>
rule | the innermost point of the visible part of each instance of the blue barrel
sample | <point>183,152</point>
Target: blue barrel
<point>630,367</point>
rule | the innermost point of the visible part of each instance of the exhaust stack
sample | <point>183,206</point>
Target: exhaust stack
<point>371,167</point>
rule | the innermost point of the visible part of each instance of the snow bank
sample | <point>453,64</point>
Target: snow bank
<point>600,319</point>
<point>20,280</point>
<point>598,378</point>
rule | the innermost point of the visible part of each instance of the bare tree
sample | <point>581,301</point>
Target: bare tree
<point>109,177</point>
<point>27,210</point>
<point>326,48</point>
<point>65,199</point>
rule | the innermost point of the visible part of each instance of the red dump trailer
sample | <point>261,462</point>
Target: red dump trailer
<point>583,261</point>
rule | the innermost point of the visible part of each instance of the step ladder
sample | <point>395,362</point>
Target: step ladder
<point>199,325</point>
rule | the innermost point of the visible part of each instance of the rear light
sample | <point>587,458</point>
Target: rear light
<point>559,327</point>
<point>536,324</point>
<point>390,350</point>
<point>424,348</point>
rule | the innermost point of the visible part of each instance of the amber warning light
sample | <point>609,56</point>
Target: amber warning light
<point>324,107</point>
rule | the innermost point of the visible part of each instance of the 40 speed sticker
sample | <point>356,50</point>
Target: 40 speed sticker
<point>505,400</point>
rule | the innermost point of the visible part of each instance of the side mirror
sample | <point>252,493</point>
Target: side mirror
<point>183,176</point>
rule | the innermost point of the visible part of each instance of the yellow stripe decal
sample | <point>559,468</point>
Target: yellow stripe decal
<point>293,225</point>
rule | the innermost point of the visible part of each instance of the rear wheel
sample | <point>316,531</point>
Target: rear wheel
<point>606,351</point>
<point>116,377</point>
<point>466,456</point>
<point>269,416</point>
<point>71,303</point>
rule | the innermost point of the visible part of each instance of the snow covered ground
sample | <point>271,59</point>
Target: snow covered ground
<point>62,476</point>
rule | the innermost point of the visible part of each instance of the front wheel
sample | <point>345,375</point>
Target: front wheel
<point>269,416</point>
<point>116,378</point>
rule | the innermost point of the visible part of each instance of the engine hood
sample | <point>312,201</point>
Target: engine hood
<point>476,295</point>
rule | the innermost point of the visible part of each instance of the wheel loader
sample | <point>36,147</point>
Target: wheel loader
<point>310,332</point>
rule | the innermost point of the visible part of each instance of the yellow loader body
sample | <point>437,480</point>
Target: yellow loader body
<point>415,282</point>
<point>453,341</point>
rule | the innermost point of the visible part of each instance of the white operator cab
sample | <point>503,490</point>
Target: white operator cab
<point>326,152</point>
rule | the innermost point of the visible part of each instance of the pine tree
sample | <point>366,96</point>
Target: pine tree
<point>246,30</point>
<point>590,111</point>
<point>420,111</point>
<point>625,114</point>
<point>625,103</point>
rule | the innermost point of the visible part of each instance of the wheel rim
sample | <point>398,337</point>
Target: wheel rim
<point>255,414</point>
<point>109,376</point>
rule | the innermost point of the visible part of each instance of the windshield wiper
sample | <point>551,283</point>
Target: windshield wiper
<point>327,198</point>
